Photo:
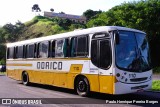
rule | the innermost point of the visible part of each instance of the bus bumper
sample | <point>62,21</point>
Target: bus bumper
<point>124,88</point>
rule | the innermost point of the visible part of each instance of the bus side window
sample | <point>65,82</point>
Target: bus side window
<point>82,46</point>
<point>73,47</point>
<point>37,50</point>
<point>105,54</point>
<point>24,51</point>
<point>10,53</point>
<point>19,52</point>
<point>30,51</point>
<point>43,49</point>
<point>66,48</point>
<point>101,53</point>
<point>49,49</point>
<point>53,44</point>
<point>94,52</point>
<point>59,48</point>
<point>16,52</point>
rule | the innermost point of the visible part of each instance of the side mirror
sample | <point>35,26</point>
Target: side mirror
<point>117,37</point>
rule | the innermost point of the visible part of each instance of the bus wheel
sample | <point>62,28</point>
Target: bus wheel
<point>25,78</point>
<point>82,86</point>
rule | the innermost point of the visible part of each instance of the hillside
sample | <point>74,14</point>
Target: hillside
<point>42,26</point>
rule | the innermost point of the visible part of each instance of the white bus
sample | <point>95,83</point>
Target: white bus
<point>106,59</point>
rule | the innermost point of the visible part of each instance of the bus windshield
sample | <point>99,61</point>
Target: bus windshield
<point>132,52</point>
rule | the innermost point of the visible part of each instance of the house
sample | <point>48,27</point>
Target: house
<point>74,18</point>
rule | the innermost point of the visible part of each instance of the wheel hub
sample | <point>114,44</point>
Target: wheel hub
<point>81,86</point>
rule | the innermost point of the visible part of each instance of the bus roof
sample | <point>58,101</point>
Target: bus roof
<point>73,33</point>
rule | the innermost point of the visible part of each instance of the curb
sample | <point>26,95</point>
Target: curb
<point>152,91</point>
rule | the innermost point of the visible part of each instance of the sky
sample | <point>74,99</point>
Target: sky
<point>13,10</point>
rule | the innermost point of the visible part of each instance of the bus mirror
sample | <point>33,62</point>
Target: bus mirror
<point>117,37</point>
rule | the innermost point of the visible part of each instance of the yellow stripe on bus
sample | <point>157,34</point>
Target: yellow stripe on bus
<point>19,65</point>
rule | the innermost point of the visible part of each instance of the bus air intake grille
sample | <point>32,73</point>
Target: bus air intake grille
<point>139,87</point>
<point>138,79</point>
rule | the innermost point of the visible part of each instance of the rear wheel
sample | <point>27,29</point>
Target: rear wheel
<point>82,86</point>
<point>25,78</point>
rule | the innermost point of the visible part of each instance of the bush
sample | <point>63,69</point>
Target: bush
<point>156,85</point>
<point>156,70</point>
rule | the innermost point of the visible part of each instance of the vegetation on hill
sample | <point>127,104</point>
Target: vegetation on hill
<point>156,85</point>
<point>143,15</point>
<point>43,26</point>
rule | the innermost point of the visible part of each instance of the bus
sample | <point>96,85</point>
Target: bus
<point>105,59</point>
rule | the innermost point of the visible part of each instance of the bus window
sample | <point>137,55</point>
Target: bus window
<point>16,52</point>
<point>53,48</point>
<point>105,54</point>
<point>43,49</point>
<point>82,46</point>
<point>94,52</point>
<point>26,52</point>
<point>37,50</point>
<point>59,48</point>
<point>66,48</point>
<point>73,47</point>
<point>101,53</point>
<point>19,52</point>
<point>30,51</point>
<point>24,47</point>
<point>49,49</point>
<point>10,53</point>
<point>79,46</point>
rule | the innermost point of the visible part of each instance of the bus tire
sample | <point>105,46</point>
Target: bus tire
<point>82,86</point>
<point>25,78</point>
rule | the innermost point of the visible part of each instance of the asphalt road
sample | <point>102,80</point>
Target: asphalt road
<point>156,77</point>
<point>60,97</point>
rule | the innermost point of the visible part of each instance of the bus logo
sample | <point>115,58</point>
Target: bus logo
<point>49,65</point>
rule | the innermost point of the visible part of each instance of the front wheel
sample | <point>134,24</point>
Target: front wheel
<point>82,86</point>
<point>25,78</point>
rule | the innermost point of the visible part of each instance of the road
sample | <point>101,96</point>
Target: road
<point>67,98</point>
<point>156,77</point>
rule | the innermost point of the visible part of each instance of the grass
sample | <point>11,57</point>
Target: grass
<point>2,72</point>
<point>156,85</point>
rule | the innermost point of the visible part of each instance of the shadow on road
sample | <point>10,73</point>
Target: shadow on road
<point>49,87</point>
<point>100,98</point>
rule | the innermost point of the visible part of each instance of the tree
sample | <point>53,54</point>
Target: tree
<point>10,32</point>
<point>76,26</point>
<point>2,52</point>
<point>36,8</point>
<point>52,10</point>
<point>90,13</point>
<point>19,24</point>
<point>65,23</point>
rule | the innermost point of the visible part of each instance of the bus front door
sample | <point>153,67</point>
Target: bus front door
<point>101,58</point>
